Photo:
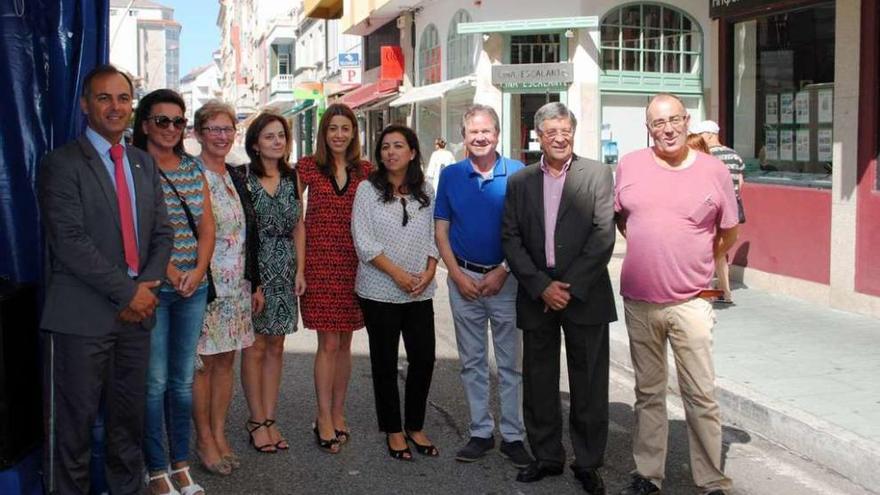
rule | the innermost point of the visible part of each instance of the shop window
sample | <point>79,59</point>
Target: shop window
<point>387,35</point>
<point>459,48</point>
<point>650,48</point>
<point>535,49</point>
<point>783,96</point>
<point>429,56</point>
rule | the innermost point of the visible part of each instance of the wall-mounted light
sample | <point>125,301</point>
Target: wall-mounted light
<point>486,36</point>
<point>569,33</point>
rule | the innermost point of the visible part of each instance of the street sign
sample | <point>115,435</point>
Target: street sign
<point>349,59</point>
<point>350,75</point>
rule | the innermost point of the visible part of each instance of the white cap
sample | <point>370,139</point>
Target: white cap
<point>704,126</point>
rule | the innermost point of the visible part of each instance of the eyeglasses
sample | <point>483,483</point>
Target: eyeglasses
<point>677,122</point>
<point>217,131</point>
<point>554,133</point>
<point>405,214</point>
<point>163,121</point>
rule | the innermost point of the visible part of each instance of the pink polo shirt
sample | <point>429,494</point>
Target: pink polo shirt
<point>672,217</point>
<point>552,196</point>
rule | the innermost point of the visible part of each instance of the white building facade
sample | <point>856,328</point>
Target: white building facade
<point>145,42</point>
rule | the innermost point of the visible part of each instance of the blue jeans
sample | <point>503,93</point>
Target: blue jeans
<point>170,376</point>
<point>472,321</point>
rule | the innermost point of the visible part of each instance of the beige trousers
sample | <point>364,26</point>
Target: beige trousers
<point>687,326</point>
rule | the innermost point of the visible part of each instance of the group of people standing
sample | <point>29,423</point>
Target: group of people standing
<point>163,265</point>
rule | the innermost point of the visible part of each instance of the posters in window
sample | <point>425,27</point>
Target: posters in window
<point>802,107</point>
<point>771,109</point>
<point>802,145</point>
<point>786,145</point>
<point>771,145</point>
<point>826,106</point>
<point>786,108</point>
<point>824,145</point>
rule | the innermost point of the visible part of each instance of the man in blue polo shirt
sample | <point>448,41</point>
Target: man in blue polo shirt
<point>468,214</point>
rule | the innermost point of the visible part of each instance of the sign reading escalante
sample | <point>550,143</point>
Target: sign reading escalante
<point>532,75</point>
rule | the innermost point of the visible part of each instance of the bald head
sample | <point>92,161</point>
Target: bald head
<point>667,98</point>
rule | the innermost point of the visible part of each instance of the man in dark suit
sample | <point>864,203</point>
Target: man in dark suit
<point>558,235</point>
<point>109,244</point>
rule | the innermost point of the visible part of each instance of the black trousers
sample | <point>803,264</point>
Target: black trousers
<point>586,349</point>
<point>78,372</point>
<point>385,323</point>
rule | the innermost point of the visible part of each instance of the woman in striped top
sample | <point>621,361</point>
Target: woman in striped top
<point>158,129</point>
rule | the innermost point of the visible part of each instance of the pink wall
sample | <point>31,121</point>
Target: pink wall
<point>787,232</point>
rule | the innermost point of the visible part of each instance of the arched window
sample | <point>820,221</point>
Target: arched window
<point>459,48</point>
<point>429,56</point>
<point>651,38</point>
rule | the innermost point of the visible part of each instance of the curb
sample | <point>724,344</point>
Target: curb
<point>816,439</point>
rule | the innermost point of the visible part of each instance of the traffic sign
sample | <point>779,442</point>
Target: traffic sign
<point>350,75</point>
<point>349,59</point>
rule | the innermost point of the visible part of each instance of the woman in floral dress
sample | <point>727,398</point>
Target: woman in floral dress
<point>228,325</point>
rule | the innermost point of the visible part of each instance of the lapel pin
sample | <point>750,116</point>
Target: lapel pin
<point>137,165</point>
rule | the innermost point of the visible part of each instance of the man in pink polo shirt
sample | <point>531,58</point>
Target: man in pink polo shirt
<point>677,210</point>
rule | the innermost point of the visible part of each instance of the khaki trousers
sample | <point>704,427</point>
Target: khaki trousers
<point>687,326</point>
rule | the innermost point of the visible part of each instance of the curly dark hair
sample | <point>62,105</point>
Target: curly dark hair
<point>414,180</point>
<point>145,109</point>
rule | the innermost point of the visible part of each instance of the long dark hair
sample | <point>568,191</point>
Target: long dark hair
<point>145,109</point>
<point>253,135</point>
<point>323,155</point>
<point>413,181</point>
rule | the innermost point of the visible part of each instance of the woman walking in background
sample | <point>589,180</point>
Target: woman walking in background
<point>329,304</point>
<point>393,229</point>
<point>158,128</point>
<point>275,196</point>
<point>228,326</point>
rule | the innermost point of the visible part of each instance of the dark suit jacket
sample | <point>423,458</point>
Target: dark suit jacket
<point>584,242</point>
<point>87,282</point>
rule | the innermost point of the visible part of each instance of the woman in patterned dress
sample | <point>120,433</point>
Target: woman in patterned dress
<point>329,304</point>
<point>228,326</point>
<point>393,229</point>
<point>275,195</point>
<point>158,129</point>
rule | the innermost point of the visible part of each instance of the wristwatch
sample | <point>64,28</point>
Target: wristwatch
<point>505,266</point>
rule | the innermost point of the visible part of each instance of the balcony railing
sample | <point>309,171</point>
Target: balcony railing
<point>282,83</point>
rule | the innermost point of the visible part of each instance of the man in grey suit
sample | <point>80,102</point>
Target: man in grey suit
<point>109,243</point>
<point>558,235</point>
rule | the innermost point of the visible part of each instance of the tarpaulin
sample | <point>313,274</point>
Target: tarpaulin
<point>48,46</point>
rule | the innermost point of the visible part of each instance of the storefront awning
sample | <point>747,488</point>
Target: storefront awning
<point>323,9</point>
<point>529,25</point>
<point>432,91</point>
<point>299,107</point>
<point>369,93</point>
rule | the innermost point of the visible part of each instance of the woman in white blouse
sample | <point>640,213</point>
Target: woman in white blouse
<point>393,230</point>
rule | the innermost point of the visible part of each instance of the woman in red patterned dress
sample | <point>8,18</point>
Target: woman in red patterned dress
<point>329,305</point>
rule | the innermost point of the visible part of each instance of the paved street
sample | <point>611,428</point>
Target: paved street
<point>757,466</point>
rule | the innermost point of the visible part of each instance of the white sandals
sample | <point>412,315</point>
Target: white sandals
<point>192,488</point>
<point>163,475</point>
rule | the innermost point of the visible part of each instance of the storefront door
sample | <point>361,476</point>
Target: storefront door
<point>521,124</point>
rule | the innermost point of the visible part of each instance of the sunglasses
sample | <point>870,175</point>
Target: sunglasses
<point>163,121</point>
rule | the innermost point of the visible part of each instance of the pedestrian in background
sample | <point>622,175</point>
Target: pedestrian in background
<point>440,158</point>
<point>109,243</point>
<point>159,125</point>
<point>275,195</point>
<point>228,326</point>
<point>677,210</point>
<point>560,258</point>
<point>709,131</point>
<point>329,305</point>
<point>697,143</point>
<point>393,230</point>
<point>482,295</point>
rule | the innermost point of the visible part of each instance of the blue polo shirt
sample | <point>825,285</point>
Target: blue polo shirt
<point>474,208</point>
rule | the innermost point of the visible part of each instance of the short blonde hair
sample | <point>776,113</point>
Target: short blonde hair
<point>211,109</point>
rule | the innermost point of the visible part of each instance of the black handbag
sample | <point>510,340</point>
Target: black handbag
<point>212,290</point>
<point>740,210</point>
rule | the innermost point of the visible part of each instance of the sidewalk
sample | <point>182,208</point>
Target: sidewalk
<point>803,376</point>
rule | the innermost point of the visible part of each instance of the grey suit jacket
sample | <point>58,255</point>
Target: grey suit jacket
<point>584,234</point>
<point>87,282</point>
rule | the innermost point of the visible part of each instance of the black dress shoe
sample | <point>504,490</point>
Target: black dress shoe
<point>536,471</point>
<point>591,479</point>
<point>640,486</point>
<point>716,492</point>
